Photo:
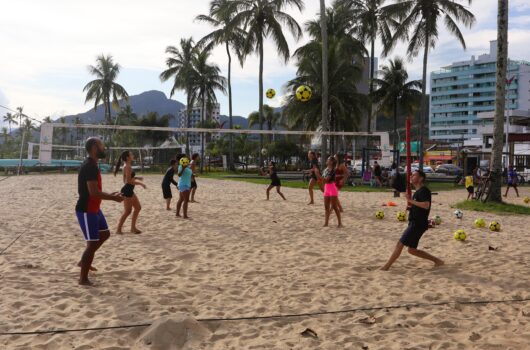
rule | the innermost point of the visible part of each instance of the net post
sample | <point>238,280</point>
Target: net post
<point>409,170</point>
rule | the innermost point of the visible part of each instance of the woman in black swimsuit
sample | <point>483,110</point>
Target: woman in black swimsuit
<point>275,180</point>
<point>131,202</point>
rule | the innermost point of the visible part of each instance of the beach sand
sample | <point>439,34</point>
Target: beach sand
<point>241,256</point>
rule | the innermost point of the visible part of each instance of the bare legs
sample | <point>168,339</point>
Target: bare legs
<point>277,190</point>
<point>331,203</point>
<point>514,187</point>
<point>88,257</point>
<point>184,198</point>
<point>413,251</point>
<point>192,196</point>
<point>130,205</point>
<point>310,188</point>
<point>168,204</point>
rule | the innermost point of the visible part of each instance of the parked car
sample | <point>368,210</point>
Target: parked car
<point>426,169</point>
<point>449,169</point>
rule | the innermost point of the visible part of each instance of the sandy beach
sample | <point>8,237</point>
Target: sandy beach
<point>241,256</point>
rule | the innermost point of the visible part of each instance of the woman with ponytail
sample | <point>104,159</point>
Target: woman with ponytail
<point>131,202</point>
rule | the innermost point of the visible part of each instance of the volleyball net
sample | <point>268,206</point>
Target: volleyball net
<point>164,143</point>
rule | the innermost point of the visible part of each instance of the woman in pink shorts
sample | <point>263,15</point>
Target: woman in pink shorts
<point>331,193</point>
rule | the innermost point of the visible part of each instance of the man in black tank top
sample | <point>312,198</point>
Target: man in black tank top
<point>420,207</point>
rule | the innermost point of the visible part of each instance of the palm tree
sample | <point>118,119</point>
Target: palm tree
<point>104,88</point>
<point>180,69</point>
<point>417,22</point>
<point>394,91</point>
<point>325,77</point>
<point>272,118</point>
<point>10,119</point>
<point>498,122</point>
<point>346,105</point>
<point>20,114</point>
<point>207,78</point>
<point>368,22</point>
<point>262,19</point>
<point>221,14</point>
<point>5,135</point>
<point>47,119</point>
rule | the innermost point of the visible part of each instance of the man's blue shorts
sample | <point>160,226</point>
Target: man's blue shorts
<point>91,224</point>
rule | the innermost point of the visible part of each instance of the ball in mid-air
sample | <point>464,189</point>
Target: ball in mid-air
<point>380,214</point>
<point>460,235</point>
<point>495,226</point>
<point>303,93</point>
<point>270,93</point>
<point>458,214</point>
<point>526,200</point>
<point>401,216</point>
<point>437,220</point>
<point>264,151</point>
<point>480,223</point>
<point>184,161</point>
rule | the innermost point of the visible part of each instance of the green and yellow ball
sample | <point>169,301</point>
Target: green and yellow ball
<point>480,223</point>
<point>495,226</point>
<point>184,161</point>
<point>526,200</point>
<point>437,219</point>
<point>401,216</point>
<point>380,215</point>
<point>270,93</point>
<point>303,93</point>
<point>460,235</point>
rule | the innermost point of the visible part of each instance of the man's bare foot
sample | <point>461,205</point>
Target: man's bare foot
<point>439,263</point>
<point>86,283</point>
<point>91,268</point>
<point>187,217</point>
<point>384,268</point>
<point>310,203</point>
<point>325,225</point>
<point>119,233</point>
<point>168,208</point>
<point>177,215</point>
<point>136,231</point>
<point>339,226</point>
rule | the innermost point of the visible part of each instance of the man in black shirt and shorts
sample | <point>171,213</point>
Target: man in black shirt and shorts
<point>420,207</point>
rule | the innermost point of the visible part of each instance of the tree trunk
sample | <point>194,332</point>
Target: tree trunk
<point>423,108</point>
<point>500,95</point>
<point>372,69</point>
<point>395,157</point>
<point>260,99</point>
<point>230,121</point>
<point>203,118</point>
<point>188,119</point>
<point>325,87</point>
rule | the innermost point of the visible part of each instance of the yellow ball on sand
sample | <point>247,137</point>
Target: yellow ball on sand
<point>526,200</point>
<point>480,223</point>
<point>401,216</point>
<point>460,235</point>
<point>380,214</point>
<point>495,226</point>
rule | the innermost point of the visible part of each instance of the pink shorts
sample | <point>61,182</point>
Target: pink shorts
<point>330,190</point>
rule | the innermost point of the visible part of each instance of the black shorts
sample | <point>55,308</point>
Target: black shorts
<point>276,183</point>
<point>166,191</point>
<point>512,185</point>
<point>413,232</point>
<point>193,184</point>
<point>470,189</point>
<point>127,190</point>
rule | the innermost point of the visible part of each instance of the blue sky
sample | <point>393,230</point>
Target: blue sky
<point>47,45</point>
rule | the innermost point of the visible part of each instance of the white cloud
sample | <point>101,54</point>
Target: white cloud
<point>47,45</point>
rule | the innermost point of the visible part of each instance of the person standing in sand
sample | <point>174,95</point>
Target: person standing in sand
<point>341,175</point>
<point>88,212</point>
<point>420,207</point>
<point>167,181</point>
<point>131,203</point>
<point>193,167</point>
<point>184,185</point>
<point>275,180</point>
<point>314,174</point>
<point>331,193</point>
